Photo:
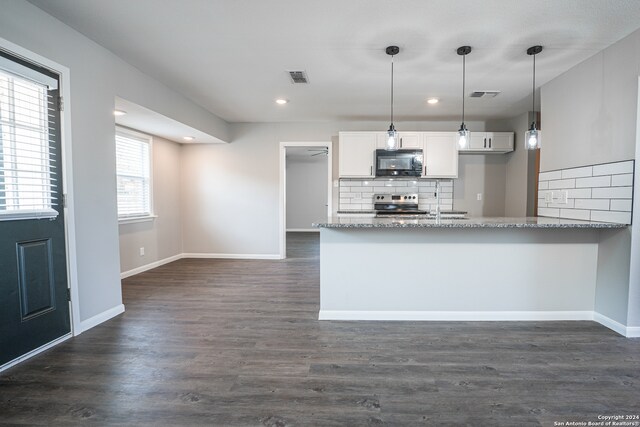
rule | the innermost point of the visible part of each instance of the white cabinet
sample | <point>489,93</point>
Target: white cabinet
<point>490,142</point>
<point>501,141</point>
<point>407,139</point>
<point>356,154</point>
<point>440,155</point>
<point>411,139</point>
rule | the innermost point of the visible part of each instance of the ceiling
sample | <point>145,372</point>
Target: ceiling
<point>231,57</point>
<point>145,120</point>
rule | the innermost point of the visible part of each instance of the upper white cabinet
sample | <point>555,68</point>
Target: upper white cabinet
<point>410,139</point>
<point>490,142</point>
<point>407,139</point>
<point>357,150</point>
<point>440,155</point>
<point>356,154</point>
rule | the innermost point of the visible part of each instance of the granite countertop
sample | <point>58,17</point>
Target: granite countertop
<point>476,222</point>
<point>373,212</point>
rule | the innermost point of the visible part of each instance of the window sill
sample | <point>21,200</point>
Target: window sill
<point>33,214</point>
<point>135,219</point>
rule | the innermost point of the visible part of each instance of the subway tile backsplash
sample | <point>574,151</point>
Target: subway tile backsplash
<point>597,193</point>
<point>357,194</point>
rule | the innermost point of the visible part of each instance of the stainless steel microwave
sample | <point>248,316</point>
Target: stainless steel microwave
<point>399,163</point>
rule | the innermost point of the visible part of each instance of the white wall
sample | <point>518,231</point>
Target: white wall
<point>307,182</point>
<point>97,77</point>
<point>230,192</point>
<point>589,112</point>
<point>162,237</point>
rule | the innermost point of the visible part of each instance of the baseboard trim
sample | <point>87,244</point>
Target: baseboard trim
<point>633,332</point>
<point>303,230</point>
<point>455,315</point>
<point>150,266</point>
<point>626,331</point>
<point>35,352</point>
<point>173,258</point>
<point>231,256</point>
<point>85,325</point>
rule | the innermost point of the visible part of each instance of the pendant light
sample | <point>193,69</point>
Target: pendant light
<point>463,133</point>
<point>392,135</point>
<point>532,136</point>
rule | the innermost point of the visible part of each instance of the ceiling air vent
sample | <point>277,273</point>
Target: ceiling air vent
<point>298,76</point>
<point>485,93</point>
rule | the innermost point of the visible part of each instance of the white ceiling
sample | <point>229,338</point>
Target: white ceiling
<point>231,56</point>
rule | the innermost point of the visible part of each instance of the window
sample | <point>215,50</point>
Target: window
<point>133,169</point>
<point>28,169</point>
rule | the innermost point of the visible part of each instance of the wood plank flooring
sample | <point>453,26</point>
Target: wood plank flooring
<point>238,343</point>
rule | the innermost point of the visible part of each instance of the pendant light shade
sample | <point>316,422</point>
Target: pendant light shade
<point>393,142</point>
<point>463,133</point>
<point>532,136</point>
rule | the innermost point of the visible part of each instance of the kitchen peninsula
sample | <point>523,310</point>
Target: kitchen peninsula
<point>468,269</point>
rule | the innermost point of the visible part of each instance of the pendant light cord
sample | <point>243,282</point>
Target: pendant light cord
<point>464,72</point>
<point>534,90</point>
<point>392,90</point>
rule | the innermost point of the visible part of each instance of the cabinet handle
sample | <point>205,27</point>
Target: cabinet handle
<point>400,142</point>
<point>485,143</point>
<point>371,170</point>
<point>425,170</point>
<point>489,142</point>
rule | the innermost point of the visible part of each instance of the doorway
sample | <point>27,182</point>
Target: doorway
<point>37,255</point>
<point>305,187</point>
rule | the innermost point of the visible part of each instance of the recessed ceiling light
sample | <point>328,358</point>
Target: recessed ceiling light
<point>433,100</point>
<point>119,112</point>
<point>188,138</point>
<point>281,101</point>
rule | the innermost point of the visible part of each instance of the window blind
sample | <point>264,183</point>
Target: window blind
<point>133,175</point>
<point>28,170</point>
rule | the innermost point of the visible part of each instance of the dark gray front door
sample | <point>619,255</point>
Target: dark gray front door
<point>34,307</point>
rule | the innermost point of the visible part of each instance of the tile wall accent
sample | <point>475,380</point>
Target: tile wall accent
<point>597,193</point>
<point>356,194</point>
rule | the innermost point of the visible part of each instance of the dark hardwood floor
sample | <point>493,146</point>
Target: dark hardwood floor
<point>237,342</point>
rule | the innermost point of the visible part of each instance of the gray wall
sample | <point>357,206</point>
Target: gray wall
<point>162,237</point>
<point>307,182</point>
<point>589,112</point>
<point>517,175</point>
<point>612,286</point>
<point>480,173</point>
<point>214,176</point>
<point>589,116</point>
<point>97,77</point>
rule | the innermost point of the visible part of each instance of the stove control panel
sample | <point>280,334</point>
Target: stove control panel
<point>396,198</point>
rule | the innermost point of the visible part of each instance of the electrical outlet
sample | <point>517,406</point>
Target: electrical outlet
<point>548,197</point>
<point>559,197</point>
<point>479,196</point>
<point>564,196</point>
<point>142,251</point>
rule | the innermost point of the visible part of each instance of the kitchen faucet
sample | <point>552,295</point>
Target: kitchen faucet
<point>437,199</point>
